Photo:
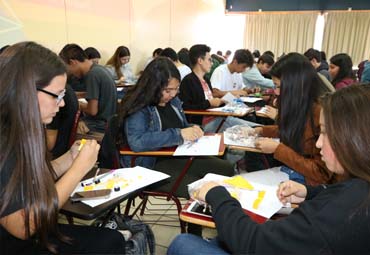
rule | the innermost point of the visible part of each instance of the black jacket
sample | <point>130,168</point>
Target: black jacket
<point>192,95</point>
<point>330,221</point>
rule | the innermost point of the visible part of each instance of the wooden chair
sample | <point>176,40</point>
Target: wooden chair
<point>72,136</point>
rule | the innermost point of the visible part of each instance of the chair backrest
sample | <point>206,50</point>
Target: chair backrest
<point>72,136</point>
<point>109,154</point>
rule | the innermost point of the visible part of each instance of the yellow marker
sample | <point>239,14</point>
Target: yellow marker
<point>239,182</point>
<point>83,141</point>
<point>256,203</point>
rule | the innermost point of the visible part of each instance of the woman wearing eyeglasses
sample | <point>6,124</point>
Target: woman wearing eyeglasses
<point>153,118</point>
<point>33,188</point>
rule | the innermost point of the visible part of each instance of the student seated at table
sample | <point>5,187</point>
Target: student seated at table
<point>330,219</point>
<point>196,91</point>
<point>93,54</point>
<point>153,118</point>
<point>118,66</point>
<point>340,70</point>
<point>101,92</point>
<point>253,77</point>
<point>33,189</point>
<point>171,54</point>
<point>297,121</point>
<point>228,78</point>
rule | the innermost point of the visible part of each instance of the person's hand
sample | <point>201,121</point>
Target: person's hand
<point>201,193</point>
<point>271,112</point>
<point>87,156</point>
<point>258,130</point>
<point>216,102</point>
<point>266,145</point>
<point>122,79</point>
<point>239,93</point>
<point>82,128</point>
<point>192,133</point>
<point>74,149</point>
<point>274,102</point>
<point>291,192</point>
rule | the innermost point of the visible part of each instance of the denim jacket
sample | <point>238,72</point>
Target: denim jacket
<point>143,131</point>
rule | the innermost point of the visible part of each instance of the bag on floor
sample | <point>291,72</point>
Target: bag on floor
<point>141,236</point>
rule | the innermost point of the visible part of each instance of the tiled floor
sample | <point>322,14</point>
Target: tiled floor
<point>161,216</point>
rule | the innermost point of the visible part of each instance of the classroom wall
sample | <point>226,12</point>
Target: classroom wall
<point>141,25</point>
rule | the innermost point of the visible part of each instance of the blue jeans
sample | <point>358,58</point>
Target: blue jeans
<point>293,175</point>
<point>186,244</point>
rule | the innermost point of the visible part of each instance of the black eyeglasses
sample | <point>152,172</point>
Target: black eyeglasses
<point>59,97</point>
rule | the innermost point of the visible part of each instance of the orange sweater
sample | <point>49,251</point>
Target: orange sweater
<point>310,165</point>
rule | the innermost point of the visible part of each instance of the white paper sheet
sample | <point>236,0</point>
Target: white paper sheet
<point>82,100</point>
<point>263,110</point>
<point>232,109</point>
<point>250,99</point>
<point>128,179</point>
<point>264,180</point>
<point>205,146</point>
<point>228,97</point>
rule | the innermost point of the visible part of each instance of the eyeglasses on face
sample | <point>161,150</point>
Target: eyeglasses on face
<point>59,97</point>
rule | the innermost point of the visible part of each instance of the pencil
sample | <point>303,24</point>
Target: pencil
<point>83,141</point>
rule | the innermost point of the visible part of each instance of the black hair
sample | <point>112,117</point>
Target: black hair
<point>266,58</point>
<point>4,48</point>
<point>299,85</point>
<point>313,54</point>
<point>170,53</point>
<point>344,62</point>
<point>269,53</point>
<point>183,55</point>
<point>157,51</point>
<point>323,55</point>
<point>72,51</point>
<point>198,51</point>
<point>149,87</point>
<point>256,53</point>
<point>243,56</point>
<point>91,53</point>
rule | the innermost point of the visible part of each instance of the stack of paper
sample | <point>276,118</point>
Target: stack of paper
<point>205,146</point>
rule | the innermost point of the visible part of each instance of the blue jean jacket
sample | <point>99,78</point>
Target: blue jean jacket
<point>143,131</point>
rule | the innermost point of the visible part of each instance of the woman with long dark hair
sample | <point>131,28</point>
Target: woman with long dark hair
<point>33,188</point>
<point>297,126</point>
<point>330,219</point>
<point>153,118</point>
<point>340,69</point>
<point>119,67</point>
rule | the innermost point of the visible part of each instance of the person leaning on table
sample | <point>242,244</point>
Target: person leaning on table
<point>33,188</point>
<point>331,219</point>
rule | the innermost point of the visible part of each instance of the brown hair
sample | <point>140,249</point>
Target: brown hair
<point>23,154</point>
<point>115,60</point>
<point>347,122</point>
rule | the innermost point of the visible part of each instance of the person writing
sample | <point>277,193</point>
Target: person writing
<point>32,188</point>
<point>330,219</point>
<point>153,118</point>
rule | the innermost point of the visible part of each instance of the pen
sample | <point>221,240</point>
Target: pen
<point>83,141</point>
<point>96,174</point>
<point>96,181</point>
<point>191,144</point>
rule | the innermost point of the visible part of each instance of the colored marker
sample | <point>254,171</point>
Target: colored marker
<point>83,141</point>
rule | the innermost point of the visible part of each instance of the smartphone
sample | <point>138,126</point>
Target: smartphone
<point>199,209</point>
<point>91,194</point>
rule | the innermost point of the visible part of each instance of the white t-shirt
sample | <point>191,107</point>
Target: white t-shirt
<point>184,70</point>
<point>224,80</point>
